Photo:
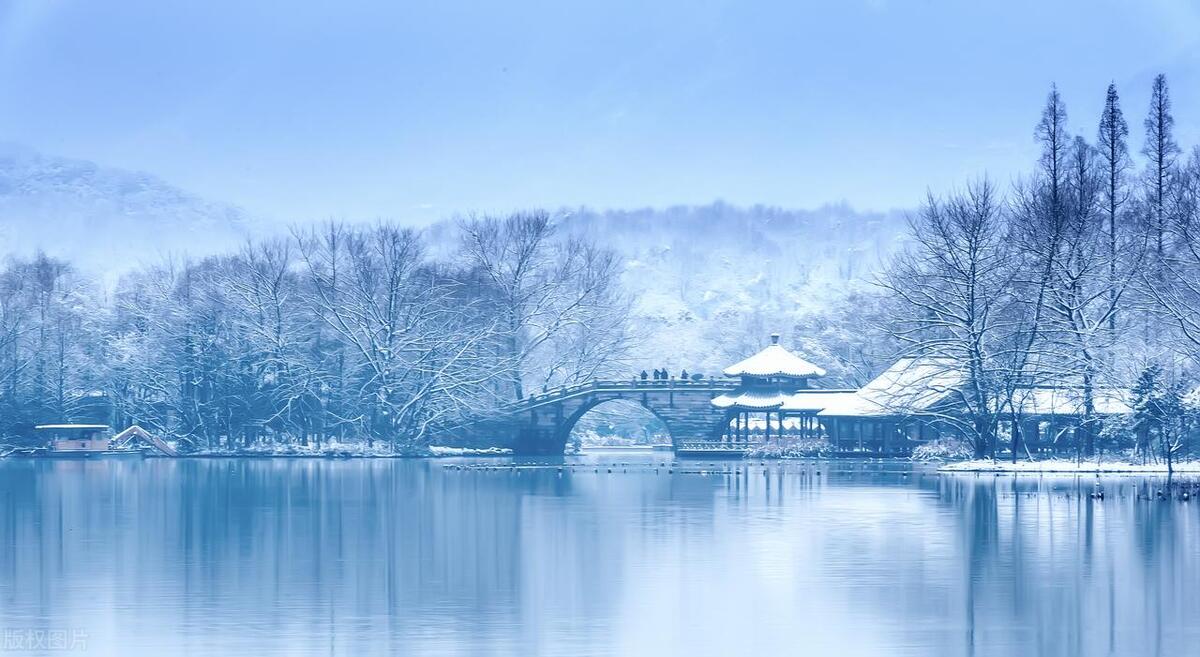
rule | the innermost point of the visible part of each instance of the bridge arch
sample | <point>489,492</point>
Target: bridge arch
<point>542,424</point>
<point>569,424</point>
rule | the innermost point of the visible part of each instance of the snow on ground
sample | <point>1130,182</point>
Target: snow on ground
<point>438,450</point>
<point>1068,466</point>
<point>336,449</point>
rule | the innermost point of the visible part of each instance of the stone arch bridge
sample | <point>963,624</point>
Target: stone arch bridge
<point>542,424</point>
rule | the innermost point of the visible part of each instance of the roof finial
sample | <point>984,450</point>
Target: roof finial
<point>774,338</point>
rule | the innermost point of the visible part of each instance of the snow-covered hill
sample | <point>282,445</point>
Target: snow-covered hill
<point>106,221</point>
<point>712,282</point>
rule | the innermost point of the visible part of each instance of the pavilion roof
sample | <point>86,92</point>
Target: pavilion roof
<point>781,400</point>
<point>774,360</point>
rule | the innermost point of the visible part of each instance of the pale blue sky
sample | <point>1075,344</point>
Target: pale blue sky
<point>416,110</point>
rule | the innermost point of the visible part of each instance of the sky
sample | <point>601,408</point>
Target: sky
<point>415,111</point>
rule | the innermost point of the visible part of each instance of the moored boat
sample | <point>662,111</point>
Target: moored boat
<point>80,441</point>
<point>85,441</point>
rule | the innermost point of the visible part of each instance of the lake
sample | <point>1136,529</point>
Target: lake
<point>474,557</point>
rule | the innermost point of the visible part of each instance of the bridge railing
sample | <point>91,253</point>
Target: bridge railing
<point>563,392</point>
<point>559,392</point>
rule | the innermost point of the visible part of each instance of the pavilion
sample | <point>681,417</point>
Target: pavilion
<point>914,401</point>
<point>774,397</point>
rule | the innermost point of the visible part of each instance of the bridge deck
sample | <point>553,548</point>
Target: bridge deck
<point>567,392</point>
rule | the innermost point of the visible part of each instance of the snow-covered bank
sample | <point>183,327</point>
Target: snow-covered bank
<point>353,450</point>
<point>436,450</point>
<point>1068,466</point>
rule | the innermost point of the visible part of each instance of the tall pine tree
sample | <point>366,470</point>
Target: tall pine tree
<point>1161,151</point>
<point>1113,148</point>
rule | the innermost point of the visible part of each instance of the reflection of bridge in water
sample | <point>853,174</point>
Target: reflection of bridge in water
<point>542,423</point>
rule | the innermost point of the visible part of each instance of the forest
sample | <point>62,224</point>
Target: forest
<point>332,333</point>
<point>1083,273</point>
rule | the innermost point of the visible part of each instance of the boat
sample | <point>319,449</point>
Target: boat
<point>78,441</point>
<point>84,441</point>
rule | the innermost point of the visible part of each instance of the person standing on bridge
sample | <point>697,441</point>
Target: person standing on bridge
<point>684,375</point>
<point>644,375</point>
<point>657,374</point>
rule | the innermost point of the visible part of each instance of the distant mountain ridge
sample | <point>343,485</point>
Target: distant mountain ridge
<point>709,283</point>
<point>104,219</point>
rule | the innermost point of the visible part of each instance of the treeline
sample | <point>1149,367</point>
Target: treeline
<point>1085,275</point>
<point>337,332</point>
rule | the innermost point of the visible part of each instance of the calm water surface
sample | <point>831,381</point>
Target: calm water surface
<point>362,557</point>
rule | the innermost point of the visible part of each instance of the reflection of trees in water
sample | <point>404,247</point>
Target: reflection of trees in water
<point>355,552</point>
<point>1070,574</point>
<point>344,550</point>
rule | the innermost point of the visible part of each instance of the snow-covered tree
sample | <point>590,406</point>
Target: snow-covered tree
<point>955,286</point>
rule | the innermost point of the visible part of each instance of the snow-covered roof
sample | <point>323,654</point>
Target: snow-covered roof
<point>911,385</point>
<point>917,385</point>
<point>71,426</point>
<point>777,399</point>
<point>815,401</point>
<point>1068,401</point>
<point>774,361</point>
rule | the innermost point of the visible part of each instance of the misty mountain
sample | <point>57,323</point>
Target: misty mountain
<point>710,283</point>
<point>105,220</point>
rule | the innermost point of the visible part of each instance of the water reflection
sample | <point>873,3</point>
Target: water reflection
<point>288,557</point>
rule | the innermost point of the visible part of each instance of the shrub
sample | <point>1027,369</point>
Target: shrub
<point>791,448</point>
<point>943,449</point>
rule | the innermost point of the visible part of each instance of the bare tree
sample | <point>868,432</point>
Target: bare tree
<point>1087,283</point>
<point>412,347</point>
<point>955,287</point>
<point>1039,217</point>
<point>47,331</point>
<point>558,300</point>
<point>1176,297</point>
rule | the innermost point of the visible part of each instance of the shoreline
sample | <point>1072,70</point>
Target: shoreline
<point>1057,466</point>
<point>430,453</point>
<point>433,451</point>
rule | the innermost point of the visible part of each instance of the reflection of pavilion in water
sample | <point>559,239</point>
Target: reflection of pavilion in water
<point>349,557</point>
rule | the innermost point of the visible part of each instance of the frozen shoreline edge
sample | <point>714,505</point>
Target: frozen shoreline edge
<point>1065,467</point>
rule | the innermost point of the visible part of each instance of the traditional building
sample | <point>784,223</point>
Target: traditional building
<point>910,402</point>
<point>775,397</point>
<point>921,399</point>
<point>914,401</point>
